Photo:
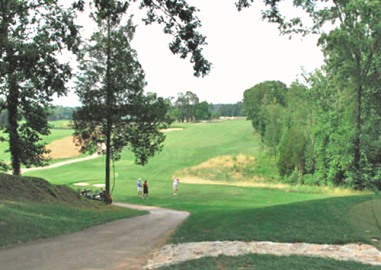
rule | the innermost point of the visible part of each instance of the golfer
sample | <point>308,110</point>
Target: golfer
<point>175,185</point>
<point>139,187</point>
<point>145,189</point>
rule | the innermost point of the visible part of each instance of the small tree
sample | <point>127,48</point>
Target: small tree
<point>202,111</point>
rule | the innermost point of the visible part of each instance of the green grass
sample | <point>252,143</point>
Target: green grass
<point>191,146</point>
<point>31,208</point>
<point>59,130</point>
<point>22,221</point>
<point>311,221</point>
<point>229,212</point>
<point>266,262</point>
<point>57,134</point>
<point>61,124</point>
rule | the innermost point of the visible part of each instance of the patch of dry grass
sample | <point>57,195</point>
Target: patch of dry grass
<point>200,181</point>
<point>63,148</point>
<point>241,171</point>
<point>240,168</point>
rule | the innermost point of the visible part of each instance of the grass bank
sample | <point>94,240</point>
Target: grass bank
<point>266,262</point>
<point>31,208</point>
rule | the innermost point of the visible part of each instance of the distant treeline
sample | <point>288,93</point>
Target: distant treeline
<point>227,110</point>
<point>199,112</point>
<point>55,113</point>
<point>61,113</point>
<point>188,108</point>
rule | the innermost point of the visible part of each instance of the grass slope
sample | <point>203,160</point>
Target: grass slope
<point>31,208</point>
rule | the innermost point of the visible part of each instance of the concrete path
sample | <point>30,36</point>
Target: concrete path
<point>123,244</point>
<point>59,164</point>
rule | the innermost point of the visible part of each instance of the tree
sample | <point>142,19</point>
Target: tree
<point>230,110</point>
<point>61,113</point>
<point>115,110</point>
<point>186,104</point>
<point>291,152</point>
<point>352,51</point>
<point>202,111</point>
<point>350,36</point>
<point>274,125</point>
<point>32,34</point>
<point>258,97</point>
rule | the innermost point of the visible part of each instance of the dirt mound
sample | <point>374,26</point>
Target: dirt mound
<point>63,148</point>
<point>34,189</point>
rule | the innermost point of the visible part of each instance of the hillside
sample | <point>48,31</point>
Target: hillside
<point>35,189</point>
<point>32,208</point>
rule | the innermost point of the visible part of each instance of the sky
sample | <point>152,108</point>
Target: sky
<point>243,50</point>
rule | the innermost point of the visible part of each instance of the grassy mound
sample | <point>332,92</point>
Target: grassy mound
<point>35,189</point>
<point>32,208</point>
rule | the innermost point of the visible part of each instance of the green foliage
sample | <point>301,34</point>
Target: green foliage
<point>274,125</point>
<point>337,109</point>
<point>61,113</point>
<point>202,111</point>
<point>185,105</point>
<point>291,152</point>
<point>181,22</point>
<point>227,110</point>
<point>115,111</point>
<point>256,98</point>
<point>32,36</point>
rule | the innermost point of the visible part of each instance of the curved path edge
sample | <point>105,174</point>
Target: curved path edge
<point>175,254</point>
<point>59,164</point>
<point>117,245</point>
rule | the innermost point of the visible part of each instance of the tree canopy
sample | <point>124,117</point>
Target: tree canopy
<point>334,115</point>
<point>32,34</point>
<point>115,110</point>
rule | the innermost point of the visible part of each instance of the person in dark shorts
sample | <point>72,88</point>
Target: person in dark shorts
<point>145,189</point>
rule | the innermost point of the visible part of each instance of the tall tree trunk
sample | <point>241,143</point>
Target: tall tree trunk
<point>358,104</point>
<point>13,95</point>
<point>357,141</point>
<point>109,116</point>
<point>14,137</point>
<point>108,159</point>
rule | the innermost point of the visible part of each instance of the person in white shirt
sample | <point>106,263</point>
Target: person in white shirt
<point>175,185</point>
<point>139,187</point>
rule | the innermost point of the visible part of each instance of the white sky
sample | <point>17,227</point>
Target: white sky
<point>244,51</point>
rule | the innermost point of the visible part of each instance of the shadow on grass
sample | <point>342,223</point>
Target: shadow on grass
<point>322,221</point>
<point>269,262</point>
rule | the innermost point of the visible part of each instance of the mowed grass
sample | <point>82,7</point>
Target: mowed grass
<point>232,212</point>
<point>59,130</point>
<point>23,221</point>
<point>32,208</point>
<point>266,262</point>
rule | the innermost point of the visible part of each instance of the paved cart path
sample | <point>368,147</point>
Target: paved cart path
<point>59,164</point>
<point>123,244</point>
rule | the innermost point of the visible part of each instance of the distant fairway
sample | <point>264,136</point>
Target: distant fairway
<point>232,212</point>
